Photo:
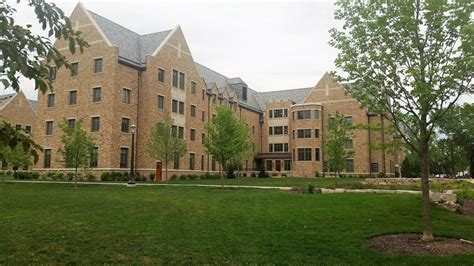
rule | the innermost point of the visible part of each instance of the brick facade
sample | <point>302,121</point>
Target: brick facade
<point>202,89</point>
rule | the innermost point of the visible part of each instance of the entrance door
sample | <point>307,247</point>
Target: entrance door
<point>278,165</point>
<point>158,171</point>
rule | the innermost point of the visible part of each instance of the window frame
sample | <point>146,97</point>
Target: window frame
<point>126,96</point>
<point>94,90</point>
<point>95,118</point>
<point>96,70</point>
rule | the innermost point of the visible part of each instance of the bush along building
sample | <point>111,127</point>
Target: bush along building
<point>126,79</point>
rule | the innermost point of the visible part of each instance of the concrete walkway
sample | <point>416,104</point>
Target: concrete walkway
<point>323,190</point>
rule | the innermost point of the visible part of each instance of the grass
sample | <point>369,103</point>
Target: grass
<point>97,224</point>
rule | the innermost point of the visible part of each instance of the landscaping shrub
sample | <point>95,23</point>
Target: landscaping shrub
<point>89,177</point>
<point>465,194</point>
<point>274,174</point>
<point>316,174</point>
<point>105,176</point>
<point>192,177</point>
<point>310,189</point>
<point>263,174</point>
<point>381,175</point>
<point>9,172</point>
<point>70,176</point>
<point>183,177</point>
<point>253,174</point>
<point>174,177</point>
<point>151,176</point>
<point>27,175</point>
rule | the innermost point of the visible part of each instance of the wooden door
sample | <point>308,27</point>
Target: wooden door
<point>158,171</point>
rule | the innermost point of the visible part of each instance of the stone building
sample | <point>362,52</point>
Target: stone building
<point>126,79</point>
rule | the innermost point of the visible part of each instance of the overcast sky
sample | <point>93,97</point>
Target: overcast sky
<point>270,45</point>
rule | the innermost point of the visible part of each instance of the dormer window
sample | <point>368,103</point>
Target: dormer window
<point>244,93</point>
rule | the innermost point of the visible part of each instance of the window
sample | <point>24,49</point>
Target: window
<point>203,116</point>
<point>193,134</point>
<point>317,154</point>
<point>176,163</point>
<point>331,122</point>
<point>203,138</point>
<point>47,158</point>
<point>244,93</point>
<point>253,129</point>
<point>349,144</point>
<point>304,154</point>
<point>193,110</point>
<point>285,147</point>
<point>125,125</point>
<point>270,147</point>
<point>285,112</point>
<point>374,167</point>
<point>95,124</point>
<point>28,129</point>
<point>348,120</point>
<point>270,113</point>
<point>94,157</point>
<point>191,161</point>
<point>316,133</point>
<point>71,123</point>
<point>213,164</point>
<point>51,100</point>
<point>74,69</point>
<point>285,130</point>
<point>49,128</point>
<point>181,132</point>
<point>52,73</point>
<point>96,94</point>
<point>175,78</point>
<point>278,147</point>
<point>350,165</point>
<point>193,87</point>
<point>97,65</point>
<point>181,108</point>
<point>278,130</point>
<point>181,80</point>
<point>269,165</point>
<point>270,131</point>
<point>317,114</point>
<point>174,106</point>
<point>161,102</point>
<point>305,114</point>
<point>202,162</point>
<point>123,157</point>
<point>277,113</point>
<point>287,165</point>
<point>126,95</point>
<point>203,94</point>
<point>304,133</point>
<point>161,75</point>
<point>72,97</point>
<point>18,127</point>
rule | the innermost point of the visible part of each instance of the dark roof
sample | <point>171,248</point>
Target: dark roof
<point>133,47</point>
<point>4,99</point>
<point>294,95</point>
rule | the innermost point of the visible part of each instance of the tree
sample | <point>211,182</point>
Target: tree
<point>164,144</point>
<point>10,138</point>
<point>458,125</point>
<point>17,157</point>
<point>227,138</point>
<point>335,143</point>
<point>32,55</point>
<point>404,59</point>
<point>77,148</point>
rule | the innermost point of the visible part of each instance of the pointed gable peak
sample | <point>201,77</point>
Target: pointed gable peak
<point>326,81</point>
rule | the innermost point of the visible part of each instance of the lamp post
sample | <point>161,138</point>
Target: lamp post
<point>131,178</point>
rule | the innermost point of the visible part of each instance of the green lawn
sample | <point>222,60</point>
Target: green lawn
<point>96,224</point>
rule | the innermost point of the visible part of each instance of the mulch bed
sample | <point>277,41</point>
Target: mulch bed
<point>411,244</point>
<point>467,207</point>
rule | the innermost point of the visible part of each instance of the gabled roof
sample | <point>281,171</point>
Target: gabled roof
<point>133,47</point>
<point>4,99</point>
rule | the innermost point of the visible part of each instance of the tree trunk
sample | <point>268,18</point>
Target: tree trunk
<point>471,162</point>
<point>166,171</point>
<point>425,185</point>
<point>75,178</point>
<point>222,176</point>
